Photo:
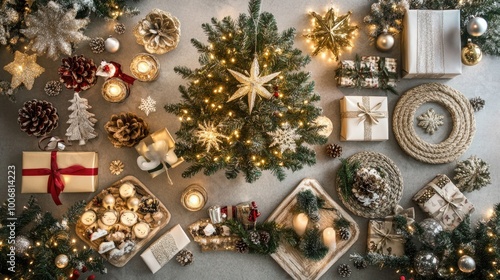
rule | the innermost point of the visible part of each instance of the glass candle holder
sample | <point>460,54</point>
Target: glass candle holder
<point>145,67</point>
<point>194,197</point>
<point>115,90</point>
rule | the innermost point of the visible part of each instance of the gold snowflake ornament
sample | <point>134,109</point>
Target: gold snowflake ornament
<point>331,32</point>
<point>116,167</point>
<point>252,85</point>
<point>24,70</point>
<point>208,135</point>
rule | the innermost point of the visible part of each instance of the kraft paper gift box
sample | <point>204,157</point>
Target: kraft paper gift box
<point>56,172</point>
<point>431,46</point>
<point>368,72</point>
<point>156,153</point>
<point>443,201</point>
<point>165,248</point>
<point>364,118</point>
<point>383,239</point>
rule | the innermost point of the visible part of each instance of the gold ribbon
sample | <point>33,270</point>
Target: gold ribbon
<point>367,115</point>
<point>383,231</point>
<point>453,202</point>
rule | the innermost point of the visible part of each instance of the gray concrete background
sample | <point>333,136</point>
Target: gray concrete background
<point>481,80</point>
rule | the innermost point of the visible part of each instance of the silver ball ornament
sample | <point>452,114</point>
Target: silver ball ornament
<point>431,228</point>
<point>466,264</point>
<point>425,263</point>
<point>111,45</point>
<point>22,245</point>
<point>61,261</point>
<point>477,26</point>
<point>385,42</point>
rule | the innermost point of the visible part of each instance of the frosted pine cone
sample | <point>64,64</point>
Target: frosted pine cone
<point>241,246</point>
<point>360,264</point>
<point>254,237</point>
<point>184,257</point>
<point>159,32</point>
<point>97,45</point>
<point>344,270</point>
<point>477,103</point>
<point>120,28</point>
<point>344,233</point>
<point>265,237</point>
<point>333,150</point>
<point>53,88</point>
<point>38,117</point>
<point>369,187</point>
<point>78,73</point>
<point>126,129</point>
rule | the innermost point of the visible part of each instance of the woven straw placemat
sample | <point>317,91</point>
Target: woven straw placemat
<point>393,179</point>
<point>462,114</point>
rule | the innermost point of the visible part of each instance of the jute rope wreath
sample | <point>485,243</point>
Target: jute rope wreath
<point>391,175</point>
<point>462,114</point>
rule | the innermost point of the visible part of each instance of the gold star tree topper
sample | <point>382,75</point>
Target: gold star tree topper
<point>24,70</point>
<point>331,32</point>
<point>252,84</point>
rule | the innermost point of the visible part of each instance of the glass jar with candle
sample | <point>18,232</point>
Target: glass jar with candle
<point>145,67</point>
<point>194,198</point>
<point>115,90</point>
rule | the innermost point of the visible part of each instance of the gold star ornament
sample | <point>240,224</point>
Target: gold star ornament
<point>331,32</point>
<point>24,70</point>
<point>252,85</point>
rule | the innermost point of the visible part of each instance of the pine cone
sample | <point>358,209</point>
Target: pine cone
<point>126,129</point>
<point>360,264</point>
<point>344,270</point>
<point>159,32</point>
<point>333,150</point>
<point>241,246</point>
<point>53,88</point>
<point>78,73</point>
<point>344,233</point>
<point>97,45</point>
<point>120,28</point>
<point>185,257</point>
<point>265,237</point>
<point>38,118</point>
<point>254,237</point>
<point>477,103</point>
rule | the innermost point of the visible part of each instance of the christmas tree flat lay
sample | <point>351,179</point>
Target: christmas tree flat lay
<point>249,139</point>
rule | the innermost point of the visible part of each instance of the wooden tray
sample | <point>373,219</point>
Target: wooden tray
<point>141,191</point>
<point>293,261</point>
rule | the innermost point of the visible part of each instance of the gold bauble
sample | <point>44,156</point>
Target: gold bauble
<point>471,54</point>
<point>108,201</point>
<point>61,261</point>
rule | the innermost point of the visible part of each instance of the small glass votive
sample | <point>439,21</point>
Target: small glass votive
<point>115,90</point>
<point>145,67</point>
<point>194,197</point>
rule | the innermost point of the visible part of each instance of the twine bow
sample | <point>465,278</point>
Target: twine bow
<point>383,231</point>
<point>452,201</point>
<point>409,214</point>
<point>55,183</point>
<point>371,115</point>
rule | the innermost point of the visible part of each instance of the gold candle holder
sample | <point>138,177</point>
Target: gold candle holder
<point>115,90</point>
<point>194,197</point>
<point>145,67</point>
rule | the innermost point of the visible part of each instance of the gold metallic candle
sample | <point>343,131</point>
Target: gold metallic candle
<point>115,90</point>
<point>194,198</point>
<point>145,67</point>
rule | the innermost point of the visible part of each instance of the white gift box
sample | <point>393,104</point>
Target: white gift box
<point>431,45</point>
<point>165,248</point>
<point>364,118</point>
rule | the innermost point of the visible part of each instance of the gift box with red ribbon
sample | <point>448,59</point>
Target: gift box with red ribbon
<point>56,172</point>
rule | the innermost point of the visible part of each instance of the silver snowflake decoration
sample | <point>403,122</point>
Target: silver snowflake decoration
<point>430,121</point>
<point>208,135</point>
<point>148,105</point>
<point>52,30</point>
<point>285,138</point>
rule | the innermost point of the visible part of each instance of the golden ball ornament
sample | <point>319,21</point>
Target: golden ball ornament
<point>327,124</point>
<point>61,261</point>
<point>466,264</point>
<point>477,26</point>
<point>385,42</point>
<point>133,203</point>
<point>108,201</point>
<point>111,45</point>
<point>471,54</point>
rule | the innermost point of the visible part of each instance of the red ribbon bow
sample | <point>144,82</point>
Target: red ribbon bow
<point>119,74</point>
<point>55,184</point>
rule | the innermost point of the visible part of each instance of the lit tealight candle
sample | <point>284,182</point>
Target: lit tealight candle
<point>194,198</point>
<point>126,190</point>
<point>115,90</point>
<point>141,230</point>
<point>88,217</point>
<point>299,223</point>
<point>145,67</point>
<point>329,238</point>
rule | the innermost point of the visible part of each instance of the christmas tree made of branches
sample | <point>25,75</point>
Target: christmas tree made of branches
<point>248,107</point>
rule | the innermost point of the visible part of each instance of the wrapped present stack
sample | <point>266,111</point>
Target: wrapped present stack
<point>431,45</point>
<point>368,72</point>
<point>364,118</point>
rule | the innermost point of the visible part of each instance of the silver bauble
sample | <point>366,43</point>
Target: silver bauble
<point>477,26</point>
<point>425,263</point>
<point>385,42</point>
<point>61,261</point>
<point>430,228</point>
<point>111,45</point>
<point>22,245</point>
<point>466,264</point>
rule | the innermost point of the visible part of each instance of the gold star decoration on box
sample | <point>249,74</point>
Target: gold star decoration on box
<point>331,32</point>
<point>24,70</point>
<point>252,84</point>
